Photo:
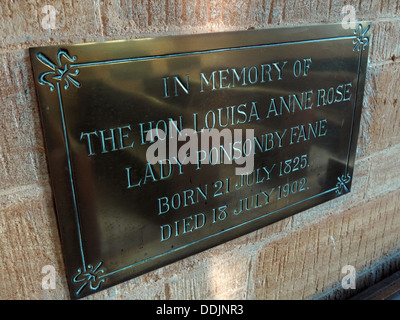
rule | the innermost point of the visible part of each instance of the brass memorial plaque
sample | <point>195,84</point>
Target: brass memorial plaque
<point>161,148</point>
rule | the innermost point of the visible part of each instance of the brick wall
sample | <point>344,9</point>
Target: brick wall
<point>300,257</point>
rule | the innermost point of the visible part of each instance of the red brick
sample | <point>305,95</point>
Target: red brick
<point>22,150</point>
<point>21,23</point>
<point>380,117</point>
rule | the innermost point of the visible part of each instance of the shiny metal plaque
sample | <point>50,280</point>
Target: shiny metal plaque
<point>138,183</point>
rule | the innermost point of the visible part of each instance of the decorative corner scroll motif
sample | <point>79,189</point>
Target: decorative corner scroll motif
<point>63,70</point>
<point>342,184</point>
<point>89,276</point>
<point>361,40</point>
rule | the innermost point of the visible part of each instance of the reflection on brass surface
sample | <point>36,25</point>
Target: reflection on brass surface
<point>298,90</point>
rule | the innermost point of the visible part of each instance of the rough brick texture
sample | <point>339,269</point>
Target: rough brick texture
<point>297,258</point>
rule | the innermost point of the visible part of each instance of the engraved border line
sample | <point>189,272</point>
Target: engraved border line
<point>171,55</point>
